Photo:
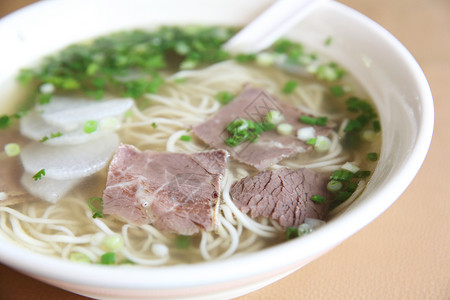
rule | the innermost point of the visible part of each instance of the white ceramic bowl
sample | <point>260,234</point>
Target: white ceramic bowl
<point>384,67</point>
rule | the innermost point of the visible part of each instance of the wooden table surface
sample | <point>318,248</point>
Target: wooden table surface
<point>405,253</point>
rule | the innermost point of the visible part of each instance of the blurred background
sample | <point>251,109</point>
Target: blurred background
<point>404,254</point>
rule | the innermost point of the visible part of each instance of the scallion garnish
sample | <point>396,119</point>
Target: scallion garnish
<point>291,233</point>
<point>90,126</point>
<point>96,205</point>
<point>224,97</point>
<point>289,86</point>
<point>12,149</point>
<point>372,156</point>
<point>182,242</point>
<point>341,175</point>
<point>242,130</point>
<point>79,257</point>
<point>109,258</point>
<point>318,199</point>
<point>186,138</point>
<point>337,90</point>
<point>38,175</point>
<point>52,135</point>
<point>154,125</point>
<point>319,121</point>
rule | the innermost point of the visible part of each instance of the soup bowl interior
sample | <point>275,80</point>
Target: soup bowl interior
<point>380,63</point>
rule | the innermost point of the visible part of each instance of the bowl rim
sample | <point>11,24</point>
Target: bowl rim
<point>183,276</point>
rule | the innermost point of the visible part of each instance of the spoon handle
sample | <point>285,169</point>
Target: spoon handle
<point>271,25</point>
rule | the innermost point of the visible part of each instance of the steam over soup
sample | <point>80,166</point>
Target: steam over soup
<point>160,148</point>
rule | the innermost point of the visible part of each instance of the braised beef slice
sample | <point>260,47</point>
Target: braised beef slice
<point>254,104</point>
<point>174,192</point>
<point>283,195</point>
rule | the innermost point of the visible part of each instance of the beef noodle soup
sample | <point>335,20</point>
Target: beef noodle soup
<point>160,148</point>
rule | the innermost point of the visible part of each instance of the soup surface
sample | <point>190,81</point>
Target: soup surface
<point>159,148</point>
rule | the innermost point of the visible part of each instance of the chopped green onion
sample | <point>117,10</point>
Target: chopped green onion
<point>243,58</point>
<point>334,185</point>
<point>79,257</point>
<point>154,125</point>
<point>5,121</point>
<point>322,144</point>
<point>52,135</point>
<point>90,126</point>
<point>186,138</point>
<point>96,205</point>
<point>318,199</point>
<point>224,97</point>
<point>265,59</point>
<point>350,167</point>
<point>308,120</point>
<point>304,229</point>
<point>290,86</point>
<point>368,135</point>
<point>38,175</point>
<point>311,141</point>
<point>341,196</point>
<point>341,175</point>
<point>242,130</point>
<point>109,258</point>
<point>372,156</point>
<point>376,126</point>
<point>291,233</point>
<point>284,129</point>
<point>112,242</point>
<point>160,250</point>
<point>337,90</point>
<point>351,187</point>
<point>12,149</point>
<point>362,174</point>
<point>328,41</point>
<point>274,117</point>
<point>319,121</point>
<point>330,72</point>
<point>306,133</point>
<point>182,242</point>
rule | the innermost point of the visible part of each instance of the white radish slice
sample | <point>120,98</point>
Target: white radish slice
<point>35,128</point>
<point>48,189</point>
<point>73,112</point>
<point>69,162</point>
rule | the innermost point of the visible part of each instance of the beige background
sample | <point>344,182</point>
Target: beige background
<point>405,253</point>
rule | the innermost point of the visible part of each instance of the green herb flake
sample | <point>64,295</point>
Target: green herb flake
<point>337,90</point>
<point>319,121</point>
<point>109,258</point>
<point>372,156</point>
<point>5,121</point>
<point>328,41</point>
<point>318,199</point>
<point>182,242</point>
<point>39,174</point>
<point>90,126</point>
<point>291,233</point>
<point>154,125</point>
<point>341,175</point>
<point>96,205</point>
<point>186,138</point>
<point>52,136</point>
<point>224,97</point>
<point>289,86</point>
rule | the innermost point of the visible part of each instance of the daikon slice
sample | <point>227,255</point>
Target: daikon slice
<point>69,161</point>
<point>48,189</point>
<point>73,112</point>
<point>34,127</point>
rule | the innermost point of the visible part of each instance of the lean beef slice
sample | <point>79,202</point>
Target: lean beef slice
<point>175,192</point>
<point>254,104</point>
<point>283,195</point>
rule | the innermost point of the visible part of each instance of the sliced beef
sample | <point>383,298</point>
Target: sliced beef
<point>283,195</point>
<point>175,192</point>
<point>271,147</point>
